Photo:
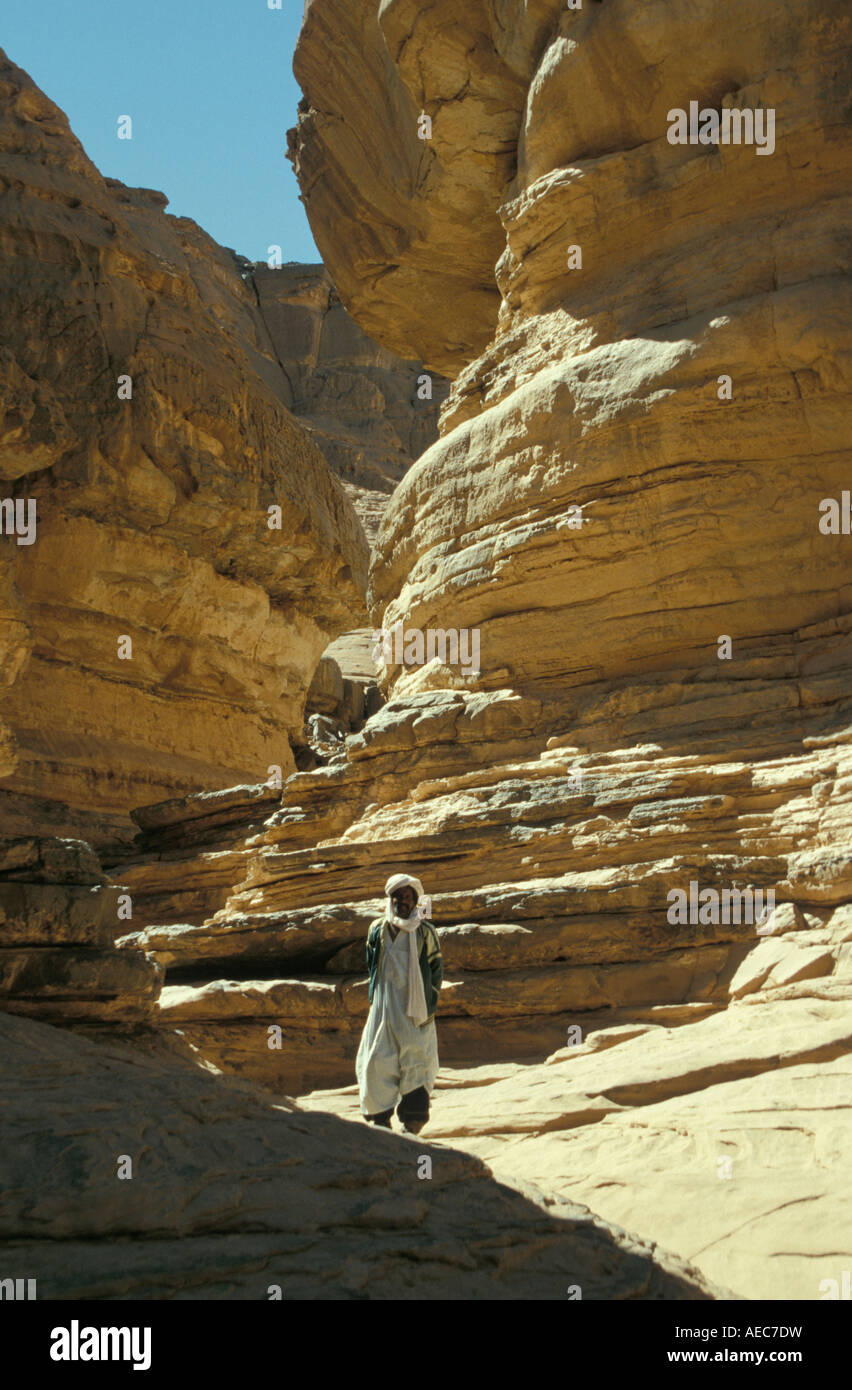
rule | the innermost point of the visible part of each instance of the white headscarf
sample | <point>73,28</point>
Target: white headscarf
<point>416,1009</point>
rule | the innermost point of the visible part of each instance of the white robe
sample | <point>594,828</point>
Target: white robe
<point>395,1055</point>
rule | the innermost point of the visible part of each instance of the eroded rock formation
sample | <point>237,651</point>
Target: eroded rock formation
<point>59,918</point>
<point>411,241</point>
<point>625,504</point>
<point>370,413</point>
<point>159,633</point>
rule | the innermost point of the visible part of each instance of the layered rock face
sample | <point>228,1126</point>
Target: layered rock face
<point>188,852</point>
<point>663,629</point>
<point>411,241</point>
<point>161,623</point>
<point>705,270</point>
<point>552,900</point>
<point>625,507</point>
<point>639,504</point>
<point>370,413</point>
<point>59,918</point>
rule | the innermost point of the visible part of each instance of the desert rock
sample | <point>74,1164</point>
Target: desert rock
<point>234,1192</point>
<point>625,505</point>
<point>59,919</point>
<point>632,810</point>
<point>370,413</point>
<point>159,633</point>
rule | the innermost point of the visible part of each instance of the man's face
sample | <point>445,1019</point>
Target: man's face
<point>404,901</point>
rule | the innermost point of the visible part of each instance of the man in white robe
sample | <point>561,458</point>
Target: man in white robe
<point>398,1055</point>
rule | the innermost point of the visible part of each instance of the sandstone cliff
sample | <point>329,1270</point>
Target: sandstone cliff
<point>371,414</point>
<point>159,634</point>
<point>625,505</point>
<point>59,918</point>
<point>411,240</point>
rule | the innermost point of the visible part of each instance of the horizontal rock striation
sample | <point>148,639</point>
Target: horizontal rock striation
<point>189,852</point>
<point>628,501</point>
<point>159,634</point>
<point>59,918</point>
<point>597,508</point>
<point>639,502</point>
<point>552,877</point>
<point>663,692</point>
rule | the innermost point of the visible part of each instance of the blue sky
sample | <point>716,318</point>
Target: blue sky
<point>210,87</point>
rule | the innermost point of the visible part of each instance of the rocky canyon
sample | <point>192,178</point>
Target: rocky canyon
<point>566,383</point>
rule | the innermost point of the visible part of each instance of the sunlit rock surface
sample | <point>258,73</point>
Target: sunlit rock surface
<point>637,503</point>
<point>625,506</point>
<point>233,1194</point>
<point>159,635</point>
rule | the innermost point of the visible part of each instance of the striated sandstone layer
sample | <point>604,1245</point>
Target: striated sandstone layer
<point>233,1194</point>
<point>550,877</point>
<point>698,515</point>
<point>59,918</point>
<point>152,511</point>
<point>625,504</point>
<point>189,851</point>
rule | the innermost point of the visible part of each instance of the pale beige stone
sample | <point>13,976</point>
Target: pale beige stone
<point>805,963</point>
<point>726,1139</point>
<point>234,1190</point>
<point>757,966</point>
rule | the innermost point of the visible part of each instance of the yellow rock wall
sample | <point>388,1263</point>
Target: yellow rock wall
<point>152,511</point>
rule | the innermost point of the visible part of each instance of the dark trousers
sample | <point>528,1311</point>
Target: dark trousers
<point>412,1112</point>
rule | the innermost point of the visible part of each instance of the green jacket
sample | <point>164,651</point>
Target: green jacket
<point>431,961</point>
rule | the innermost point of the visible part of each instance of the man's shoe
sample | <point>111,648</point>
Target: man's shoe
<point>413,1110</point>
<point>383,1120</point>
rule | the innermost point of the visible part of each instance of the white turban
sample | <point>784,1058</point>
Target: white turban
<point>403,881</point>
<point>416,1008</point>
